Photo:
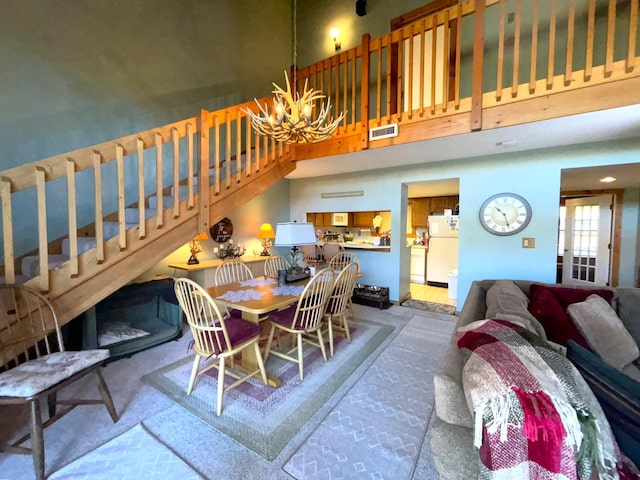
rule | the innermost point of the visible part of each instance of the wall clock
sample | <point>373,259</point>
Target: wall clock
<point>505,214</point>
<point>221,232</point>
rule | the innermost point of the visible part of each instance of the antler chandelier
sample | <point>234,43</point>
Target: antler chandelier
<point>291,120</point>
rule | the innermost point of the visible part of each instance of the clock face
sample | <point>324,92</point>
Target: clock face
<point>505,214</point>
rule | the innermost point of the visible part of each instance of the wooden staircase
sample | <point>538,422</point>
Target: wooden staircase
<point>90,262</point>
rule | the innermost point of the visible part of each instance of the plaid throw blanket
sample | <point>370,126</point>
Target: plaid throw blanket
<point>535,416</point>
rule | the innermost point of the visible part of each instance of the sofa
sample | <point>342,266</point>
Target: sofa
<point>551,321</point>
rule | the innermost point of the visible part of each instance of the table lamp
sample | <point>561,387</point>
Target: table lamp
<point>265,234</point>
<point>194,247</point>
<point>292,234</point>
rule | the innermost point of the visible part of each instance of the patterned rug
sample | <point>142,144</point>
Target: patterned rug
<point>264,419</point>
<point>429,306</point>
<point>133,455</point>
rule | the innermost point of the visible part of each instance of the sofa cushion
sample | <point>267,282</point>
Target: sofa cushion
<point>549,304</point>
<point>618,395</point>
<point>505,301</point>
<point>628,309</point>
<point>450,402</point>
<point>604,331</point>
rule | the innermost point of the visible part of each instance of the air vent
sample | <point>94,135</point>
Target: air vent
<point>384,132</point>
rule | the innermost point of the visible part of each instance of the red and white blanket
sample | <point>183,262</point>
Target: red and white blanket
<point>535,416</point>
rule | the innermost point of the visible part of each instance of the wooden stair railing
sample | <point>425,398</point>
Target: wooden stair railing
<point>158,173</point>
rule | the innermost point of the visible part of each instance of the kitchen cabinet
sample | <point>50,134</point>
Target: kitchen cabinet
<point>319,220</point>
<point>440,204</point>
<point>420,210</point>
<point>362,219</point>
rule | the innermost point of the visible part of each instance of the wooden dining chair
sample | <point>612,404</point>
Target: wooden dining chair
<point>337,309</point>
<point>231,271</point>
<point>340,260</point>
<point>215,338</point>
<point>34,366</point>
<point>303,320</point>
<point>312,254</point>
<point>330,250</point>
<point>273,264</point>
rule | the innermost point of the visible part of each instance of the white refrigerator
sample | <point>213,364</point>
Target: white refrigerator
<point>442,256</point>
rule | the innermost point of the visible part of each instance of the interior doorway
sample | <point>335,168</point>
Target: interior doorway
<point>587,240</point>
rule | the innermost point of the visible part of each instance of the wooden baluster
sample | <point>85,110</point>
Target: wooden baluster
<point>552,43</point>
<point>516,48</point>
<point>7,230</point>
<point>190,200</point>
<point>410,80</point>
<point>159,192</point>
<point>458,55</point>
<point>336,105</point>
<point>379,81</point>
<point>400,79</point>
<point>238,123</point>
<point>434,63</point>
<point>227,160</point>
<point>248,145</point>
<point>388,79</point>
<point>43,244</point>
<point>97,182</point>
<point>611,38</point>
<point>571,22</point>
<point>122,228</point>
<point>534,48</point>
<point>423,26</point>
<point>73,219</point>
<point>257,142</point>
<point>633,32</point>
<point>591,21</point>
<point>501,28</point>
<point>445,62</point>
<point>142,218</point>
<point>478,65</point>
<point>345,82</point>
<point>175,140</point>
<point>353,90</point>
<point>265,149</point>
<point>204,169</point>
<point>216,155</point>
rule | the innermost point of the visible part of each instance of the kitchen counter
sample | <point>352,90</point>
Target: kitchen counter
<point>366,246</point>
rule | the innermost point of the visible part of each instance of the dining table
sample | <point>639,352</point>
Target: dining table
<point>255,298</point>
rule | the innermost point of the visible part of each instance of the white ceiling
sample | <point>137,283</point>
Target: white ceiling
<point>613,124</point>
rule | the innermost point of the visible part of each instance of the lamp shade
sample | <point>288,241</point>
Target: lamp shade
<point>201,236</point>
<point>266,231</point>
<point>294,233</point>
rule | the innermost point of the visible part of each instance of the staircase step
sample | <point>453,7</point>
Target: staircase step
<point>84,244</point>
<point>131,215</point>
<point>30,265</point>
<point>112,229</point>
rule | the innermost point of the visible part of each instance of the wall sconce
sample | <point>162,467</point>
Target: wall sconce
<point>265,234</point>
<point>335,35</point>
<point>194,247</point>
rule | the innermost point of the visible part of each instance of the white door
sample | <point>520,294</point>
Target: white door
<point>587,240</point>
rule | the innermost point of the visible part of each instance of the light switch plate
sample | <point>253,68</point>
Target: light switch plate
<point>528,242</point>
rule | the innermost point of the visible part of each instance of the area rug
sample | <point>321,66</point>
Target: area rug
<point>133,455</point>
<point>264,419</point>
<point>429,306</point>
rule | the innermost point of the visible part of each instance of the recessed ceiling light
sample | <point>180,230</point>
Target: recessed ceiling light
<point>608,179</point>
<point>506,143</point>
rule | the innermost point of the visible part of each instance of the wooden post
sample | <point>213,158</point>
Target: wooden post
<point>478,65</point>
<point>203,170</point>
<point>364,92</point>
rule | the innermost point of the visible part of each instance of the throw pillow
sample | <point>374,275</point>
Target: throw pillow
<point>549,304</point>
<point>604,331</point>
<point>618,395</point>
<point>556,322</point>
<point>505,301</point>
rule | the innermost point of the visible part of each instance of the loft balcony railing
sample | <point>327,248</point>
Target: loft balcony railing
<point>471,66</point>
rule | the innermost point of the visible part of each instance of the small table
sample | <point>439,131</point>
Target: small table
<point>266,296</point>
